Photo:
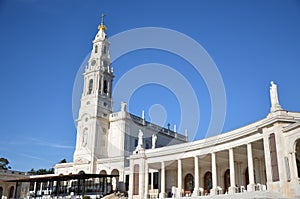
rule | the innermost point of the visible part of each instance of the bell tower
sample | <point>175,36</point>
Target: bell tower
<point>96,105</point>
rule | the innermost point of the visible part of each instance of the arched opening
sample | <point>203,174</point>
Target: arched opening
<point>246,177</point>
<point>188,183</point>
<point>104,50</point>
<point>207,182</point>
<point>115,172</point>
<point>1,192</point>
<point>227,180</point>
<point>90,86</point>
<point>11,192</point>
<point>96,49</point>
<point>105,87</point>
<point>103,172</point>
<point>298,157</point>
<point>115,180</point>
<point>81,172</point>
<point>298,167</point>
<point>105,64</point>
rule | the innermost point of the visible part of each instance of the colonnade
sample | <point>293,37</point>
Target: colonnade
<point>231,164</point>
<point>214,190</point>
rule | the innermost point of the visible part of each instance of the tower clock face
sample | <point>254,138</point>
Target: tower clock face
<point>93,62</point>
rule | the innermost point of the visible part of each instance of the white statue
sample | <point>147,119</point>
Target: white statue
<point>123,106</point>
<point>140,136</point>
<point>143,114</point>
<point>274,97</point>
<point>154,138</point>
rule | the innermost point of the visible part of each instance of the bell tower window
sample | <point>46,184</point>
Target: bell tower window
<point>105,86</point>
<point>105,63</point>
<point>96,49</point>
<point>104,50</point>
<point>90,86</point>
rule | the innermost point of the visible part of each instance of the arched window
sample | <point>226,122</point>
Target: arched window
<point>208,181</point>
<point>90,86</point>
<point>104,49</point>
<point>105,87</point>
<point>96,49</point>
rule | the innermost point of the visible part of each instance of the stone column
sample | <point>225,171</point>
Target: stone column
<point>48,183</point>
<point>294,173</point>
<point>250,186</point>
<point>146,180</point>
<point>152,180</point>
<point>196,174</point>
<point>41,187</point>
<point>34,189</point>
<point>232,188</point>
<point>162,181</point>
<point>131,175</point>
<point>213,191</point>
<point>267,156</point>
<point>142,180</point>
<point>179,179</point>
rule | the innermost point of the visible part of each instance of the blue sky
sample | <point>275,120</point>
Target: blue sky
<point>43,43</point>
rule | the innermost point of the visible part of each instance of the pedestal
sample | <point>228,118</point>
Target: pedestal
<point>214,192</point>
<point>251,187</point>
<point>231,190</point>
<point>195,192</point>
<point>178,193</point>
<point>162,195</point>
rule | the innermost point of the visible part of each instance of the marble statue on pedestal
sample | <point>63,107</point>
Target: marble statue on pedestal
<point>140,136</point>
<point>275,106</point>
<point>154,138</point>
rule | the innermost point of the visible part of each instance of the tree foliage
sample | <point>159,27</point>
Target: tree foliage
<point>45,171</point>
<point>41,171</point>
<point>4,164</point>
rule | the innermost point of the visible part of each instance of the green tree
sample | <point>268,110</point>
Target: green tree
<point>41,171</point>
<point>4,164</point>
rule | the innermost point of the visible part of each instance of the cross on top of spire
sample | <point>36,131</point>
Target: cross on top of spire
<point>102,26</point>
<point>102,18</point>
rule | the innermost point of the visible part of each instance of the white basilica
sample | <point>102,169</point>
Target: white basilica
<point>152,161</point>
<point>106,139</point>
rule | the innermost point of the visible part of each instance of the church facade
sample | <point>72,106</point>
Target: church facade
<point>153,161</point>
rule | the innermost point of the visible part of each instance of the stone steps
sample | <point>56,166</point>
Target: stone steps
<point>245,195</point>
